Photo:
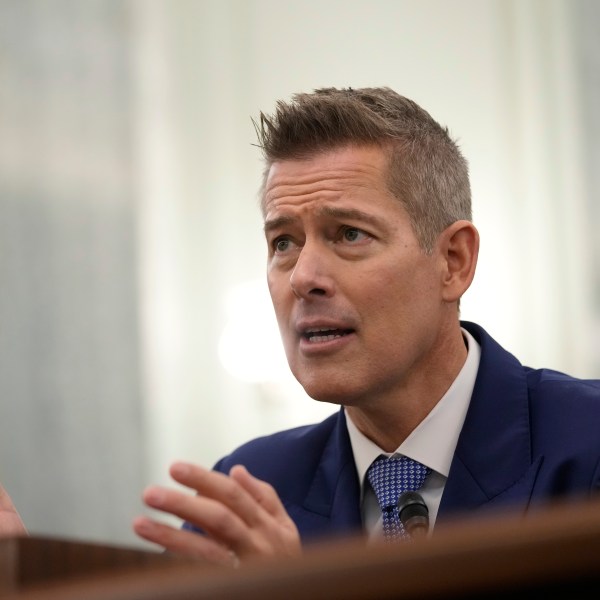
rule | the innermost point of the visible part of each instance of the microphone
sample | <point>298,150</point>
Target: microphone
<point>413,513</point>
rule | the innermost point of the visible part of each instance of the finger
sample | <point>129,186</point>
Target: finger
<point>222,488</point>
<point>228,513</point>
<point>182,542</point>
<point>212,516</point>
<point>261,491</point>
<point>280,527</point>
<point>10,521</point>
<point>225,510</point>
<point>271,529</point>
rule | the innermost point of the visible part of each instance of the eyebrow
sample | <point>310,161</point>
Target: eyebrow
<point>327,211</point>
<point>278,222</point>
<point>349,213</point>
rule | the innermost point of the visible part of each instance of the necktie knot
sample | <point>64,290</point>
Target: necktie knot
<point>389,478</point>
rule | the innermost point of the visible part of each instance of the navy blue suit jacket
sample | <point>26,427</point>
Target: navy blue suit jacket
<point>530,436</point>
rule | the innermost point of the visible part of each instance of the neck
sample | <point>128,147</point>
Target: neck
<point>389,420</point>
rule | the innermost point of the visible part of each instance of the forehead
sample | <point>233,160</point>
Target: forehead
<point>339,172</point>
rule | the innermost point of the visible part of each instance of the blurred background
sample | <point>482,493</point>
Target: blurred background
<point>135,327</point>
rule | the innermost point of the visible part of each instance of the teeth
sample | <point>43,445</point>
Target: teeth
<point>323,338</point>
<point>328,334</point>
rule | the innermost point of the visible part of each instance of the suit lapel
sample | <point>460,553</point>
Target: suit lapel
<point>334,493</point>
<point>492,465</point>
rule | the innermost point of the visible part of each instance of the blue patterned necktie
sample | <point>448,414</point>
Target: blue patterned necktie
<point>390,477</point>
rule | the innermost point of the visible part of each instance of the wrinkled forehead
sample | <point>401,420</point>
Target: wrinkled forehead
<point>351,159</point>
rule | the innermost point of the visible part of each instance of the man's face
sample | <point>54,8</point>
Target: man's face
<point>357,301</point>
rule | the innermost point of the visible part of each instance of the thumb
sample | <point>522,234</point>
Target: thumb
<point>10,521</point>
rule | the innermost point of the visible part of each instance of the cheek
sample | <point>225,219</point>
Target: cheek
<point>399,295</point>
<point>274,283</point>
<point>383,307</point>
<point>280,295</point>
<point>393,288</point>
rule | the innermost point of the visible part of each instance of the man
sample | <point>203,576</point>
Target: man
<point>367,218</point>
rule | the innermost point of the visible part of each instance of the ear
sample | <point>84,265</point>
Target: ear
<point>459,248</point>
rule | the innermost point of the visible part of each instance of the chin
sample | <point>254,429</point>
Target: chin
<point>331,393</point>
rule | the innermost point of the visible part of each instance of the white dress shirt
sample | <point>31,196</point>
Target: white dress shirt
<point>431,443</point>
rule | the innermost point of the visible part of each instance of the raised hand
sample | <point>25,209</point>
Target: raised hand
<point>242,517</point>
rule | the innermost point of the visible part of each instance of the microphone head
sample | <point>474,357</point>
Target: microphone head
<point>413,513</point>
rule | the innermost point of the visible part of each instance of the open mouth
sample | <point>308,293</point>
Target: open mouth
<point>324,334</point>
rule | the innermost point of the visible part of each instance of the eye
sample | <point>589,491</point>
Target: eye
<point>353,234</point>
<point>281,244</point>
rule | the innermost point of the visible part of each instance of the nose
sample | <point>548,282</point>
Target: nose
<point>312,275</point>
